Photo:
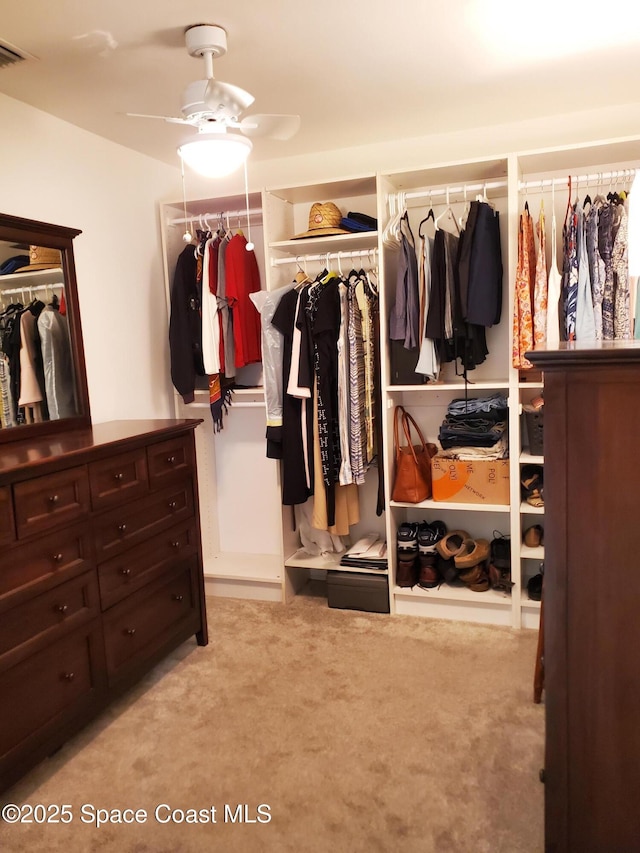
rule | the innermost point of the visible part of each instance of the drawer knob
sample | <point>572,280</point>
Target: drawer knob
<point>130,631</point>
<point>57,558</point>
<point>61,608</point>
<point>171,460</point>
<point>173,504</point>
<point>122,528</point>
<point>53,499</point>
<point>119,475</point>
<point>177,597</point>
<point>175,543</point>
<point>125,572</point>
<point>67,676</point>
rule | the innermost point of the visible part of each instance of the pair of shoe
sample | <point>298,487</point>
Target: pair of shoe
<point>532,484</point>
<point>500,563</point>
<point>469,557</point>
<point>416,563</point>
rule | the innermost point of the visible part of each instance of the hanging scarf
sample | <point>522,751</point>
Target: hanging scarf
<point>219,399</point>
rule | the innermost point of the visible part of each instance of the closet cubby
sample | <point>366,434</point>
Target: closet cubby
<point>279,569</point>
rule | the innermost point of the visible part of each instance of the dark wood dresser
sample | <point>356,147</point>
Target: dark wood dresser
<point>100,574</point>
<point>592,597</point>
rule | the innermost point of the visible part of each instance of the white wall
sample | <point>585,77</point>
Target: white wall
<point>53,171</point>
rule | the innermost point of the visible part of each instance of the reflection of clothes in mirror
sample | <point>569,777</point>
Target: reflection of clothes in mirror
<point>57,364</point>
<point>30,390</point>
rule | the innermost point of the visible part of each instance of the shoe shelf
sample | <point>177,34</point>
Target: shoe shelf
<point>528,553</point>
<point>449,386</point>
<point>527,509</point>
<point>447,592</point>
<point>327,562</point>
<point>442,505</point>
<point>527,458</point>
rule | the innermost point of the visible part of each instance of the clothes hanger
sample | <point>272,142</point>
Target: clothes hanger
<point>447,210</point>
<point>430,216</point>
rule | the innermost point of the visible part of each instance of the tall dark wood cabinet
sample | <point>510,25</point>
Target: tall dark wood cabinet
<point>592,597</point>
<point>100,574</point>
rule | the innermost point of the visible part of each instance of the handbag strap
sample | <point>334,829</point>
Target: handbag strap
<point>399,410</point>
<point>407,419</point>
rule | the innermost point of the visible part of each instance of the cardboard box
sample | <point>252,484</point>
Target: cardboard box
<point>473,482</point>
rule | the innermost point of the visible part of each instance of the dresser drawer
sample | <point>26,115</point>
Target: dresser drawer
<point>136,627</point>
<point>48,686</point>
<point>118,479</point>
<point>129,525</point>
<point>51,501</point>
<point>122,575</point>
<point>7,524</point>
<point>31,567</point>
<point>170,458</point>
<point>46,616</point>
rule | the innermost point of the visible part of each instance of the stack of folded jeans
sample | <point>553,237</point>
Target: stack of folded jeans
<point>476,428</point>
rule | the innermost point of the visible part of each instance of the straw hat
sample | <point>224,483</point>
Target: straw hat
<point>324,220</point>
<point>41,258</point>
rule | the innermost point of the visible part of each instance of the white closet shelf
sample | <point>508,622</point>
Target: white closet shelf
<point>530,605</point>
<point>528,553</point>
<point>455,593</point>
<point>531,458</point>
<point>328,562</point>
<point>333,243</point>
<point>252,568</point>
<point>527,509</point>
<point>37,276</point>
<point>525,385</point>
<point>453,505</point>
<point>485,385</point>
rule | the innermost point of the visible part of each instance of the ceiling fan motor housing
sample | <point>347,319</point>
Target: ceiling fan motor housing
<point>203,39</point>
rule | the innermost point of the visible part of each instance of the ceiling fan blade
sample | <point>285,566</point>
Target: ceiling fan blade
<point>171,119</point>
<point>226,98</point>
<point>273,126</point>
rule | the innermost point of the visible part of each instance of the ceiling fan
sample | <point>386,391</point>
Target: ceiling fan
<point>216,110</point>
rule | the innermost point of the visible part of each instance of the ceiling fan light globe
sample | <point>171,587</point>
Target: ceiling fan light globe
<point>215,156</point>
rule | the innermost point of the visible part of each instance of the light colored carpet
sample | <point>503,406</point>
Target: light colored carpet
<point>361,732</point>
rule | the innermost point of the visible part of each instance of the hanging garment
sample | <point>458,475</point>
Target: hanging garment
<point>210,319</point>
<point>357,418</point>
<point>404,321</point>
<point>570,277</point>
<point>481,292</point>
<point>428,362</point>
<point>57,364</point>
<point>7,407</point>
<point>596,264</point>
<point>540,285</point>
<point>365,304</point>
<point>344,416</point>
<point>522,341</point>
<point>228,350</point>
<point>554,291</point>
<point>619,262</point>
<point>585,320</point>
<point>605,247</point>
<point>345,499</point>
<point>242,278</point>
<point>295,489</point>
<point>266,302</point>
<point>185,326</point>
<point>30,390</point>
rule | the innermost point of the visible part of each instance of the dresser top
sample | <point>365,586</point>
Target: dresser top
<point>59,449</point>
<point>579,353</point>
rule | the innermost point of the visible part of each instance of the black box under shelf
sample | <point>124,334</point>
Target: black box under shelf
<point>358,591</point>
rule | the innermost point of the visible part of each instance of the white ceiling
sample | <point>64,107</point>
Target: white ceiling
<point>357,71</point>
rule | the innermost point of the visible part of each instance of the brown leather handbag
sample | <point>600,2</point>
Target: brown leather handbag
<point>412,482</point>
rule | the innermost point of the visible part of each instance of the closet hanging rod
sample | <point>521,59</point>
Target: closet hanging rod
<point>14,291</point>
<point>622,174</point>
<point>325,256</point>
<point>470,188</point>
<point>231,214</point>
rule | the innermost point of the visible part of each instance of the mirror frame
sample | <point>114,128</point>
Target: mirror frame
<point>31,232</point>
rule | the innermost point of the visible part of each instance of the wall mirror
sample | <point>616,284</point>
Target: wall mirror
<point>43,386</point>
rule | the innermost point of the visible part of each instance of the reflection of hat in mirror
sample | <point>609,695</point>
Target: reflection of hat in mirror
<point>41,258</point>
<point>324,220</point>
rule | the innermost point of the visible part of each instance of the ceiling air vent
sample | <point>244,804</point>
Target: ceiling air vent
<point>10,54</point>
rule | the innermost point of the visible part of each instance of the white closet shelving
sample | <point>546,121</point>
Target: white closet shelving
<point>280,570</point>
